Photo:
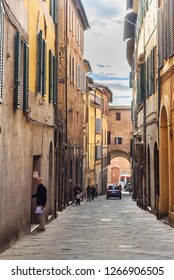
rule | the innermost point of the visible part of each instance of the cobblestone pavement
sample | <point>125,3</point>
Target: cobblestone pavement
<point>102,230</point>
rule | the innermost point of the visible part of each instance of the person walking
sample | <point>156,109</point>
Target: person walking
<point>77,193</point>
<point>93,192</point>
<point>41,200</point>
<point>88,193</point>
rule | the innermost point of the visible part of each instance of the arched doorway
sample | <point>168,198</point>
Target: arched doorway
<point>164,167</point>
<point>119,167</point>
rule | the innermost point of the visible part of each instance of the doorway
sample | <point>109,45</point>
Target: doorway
<point>36,167</point>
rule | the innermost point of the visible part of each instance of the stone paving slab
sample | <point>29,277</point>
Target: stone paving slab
<point>103,229</point>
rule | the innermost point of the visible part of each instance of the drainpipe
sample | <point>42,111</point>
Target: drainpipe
<point>66,107</point>
<point>56,124</point>
<point>144,136</point>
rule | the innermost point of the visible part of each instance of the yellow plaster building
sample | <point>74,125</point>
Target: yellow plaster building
<point>166,114</point>
<point>27,103</point>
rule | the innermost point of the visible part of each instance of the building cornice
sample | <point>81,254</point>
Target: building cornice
<point>81,13</point>
<point>120,107</point>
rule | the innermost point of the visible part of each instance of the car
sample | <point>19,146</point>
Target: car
<point>113,191</point>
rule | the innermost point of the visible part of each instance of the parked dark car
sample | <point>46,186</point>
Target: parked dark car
<point>113,191</point>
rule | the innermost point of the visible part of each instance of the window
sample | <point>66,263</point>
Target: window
<point>53,9</point>
<point>71,20</point>
<point>98,152</point>
<point>77,31</point>
<point>109,138</point>
<point>21,74</point>
<point>78,76</point>
<point>83,81</point>
<point>82,42</point>
<point>1,50</point>
<point>98,128</point>
<point>118,116</point>
<point>52,78</point>
<point>118,140</point>
<point>72,65</point>
<point>41,65</point>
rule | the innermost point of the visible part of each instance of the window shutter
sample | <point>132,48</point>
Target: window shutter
<point>152,71</point>
<point>132,110</point>
<point>130,80</point>
<point>17,71</point>
<point>83,81</point>
<point>51,7</point>
<point>1,51</point>
<point>147,4</point>
<point>44,68</point>
<point>160,39</point>
<point>39,62</point>
<point>72,69</point>
<point>98,124</point>
<point>50,76</point>
<point>129,4</point>
<point>78,77</point>
<point>54,80</point>
<point>26,78</point>
<point>150,80</point>
<point>170,31</point>
<point>147,77</point>
<point>165,28</point>
<point>138,90</point>
<point>55,11</point>
<point>142,80</point>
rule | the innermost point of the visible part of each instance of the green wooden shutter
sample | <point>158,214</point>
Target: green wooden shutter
<point>142,82</point>
<point>17,71</point>
<point>26,78</point>
<point>152,71</point>
<point>138,90</point>
<point>132,110</point>
<point>51,7</point>
<point>44,68</point>
<point>147,77</point>
<point>129,4</point>
<point>54,80</point>
<point>55,11</point>
<point>50,76</point>
<point>130,80</point>
<point>39,62</point>
<point>150,80</point>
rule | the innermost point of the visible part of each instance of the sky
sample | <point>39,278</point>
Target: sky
<point>105,48</point>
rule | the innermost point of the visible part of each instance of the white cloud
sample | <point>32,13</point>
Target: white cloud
<point>104,44</point>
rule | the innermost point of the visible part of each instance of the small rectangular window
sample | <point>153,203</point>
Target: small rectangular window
<point>118,116</point>
<point>118,140</point>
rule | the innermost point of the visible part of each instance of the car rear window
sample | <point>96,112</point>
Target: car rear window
<point>113,188</point>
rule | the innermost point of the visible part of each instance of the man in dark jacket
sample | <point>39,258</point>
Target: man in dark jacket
<point>41,199</point>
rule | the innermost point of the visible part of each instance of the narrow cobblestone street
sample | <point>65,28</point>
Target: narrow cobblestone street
<point>101,229</point>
